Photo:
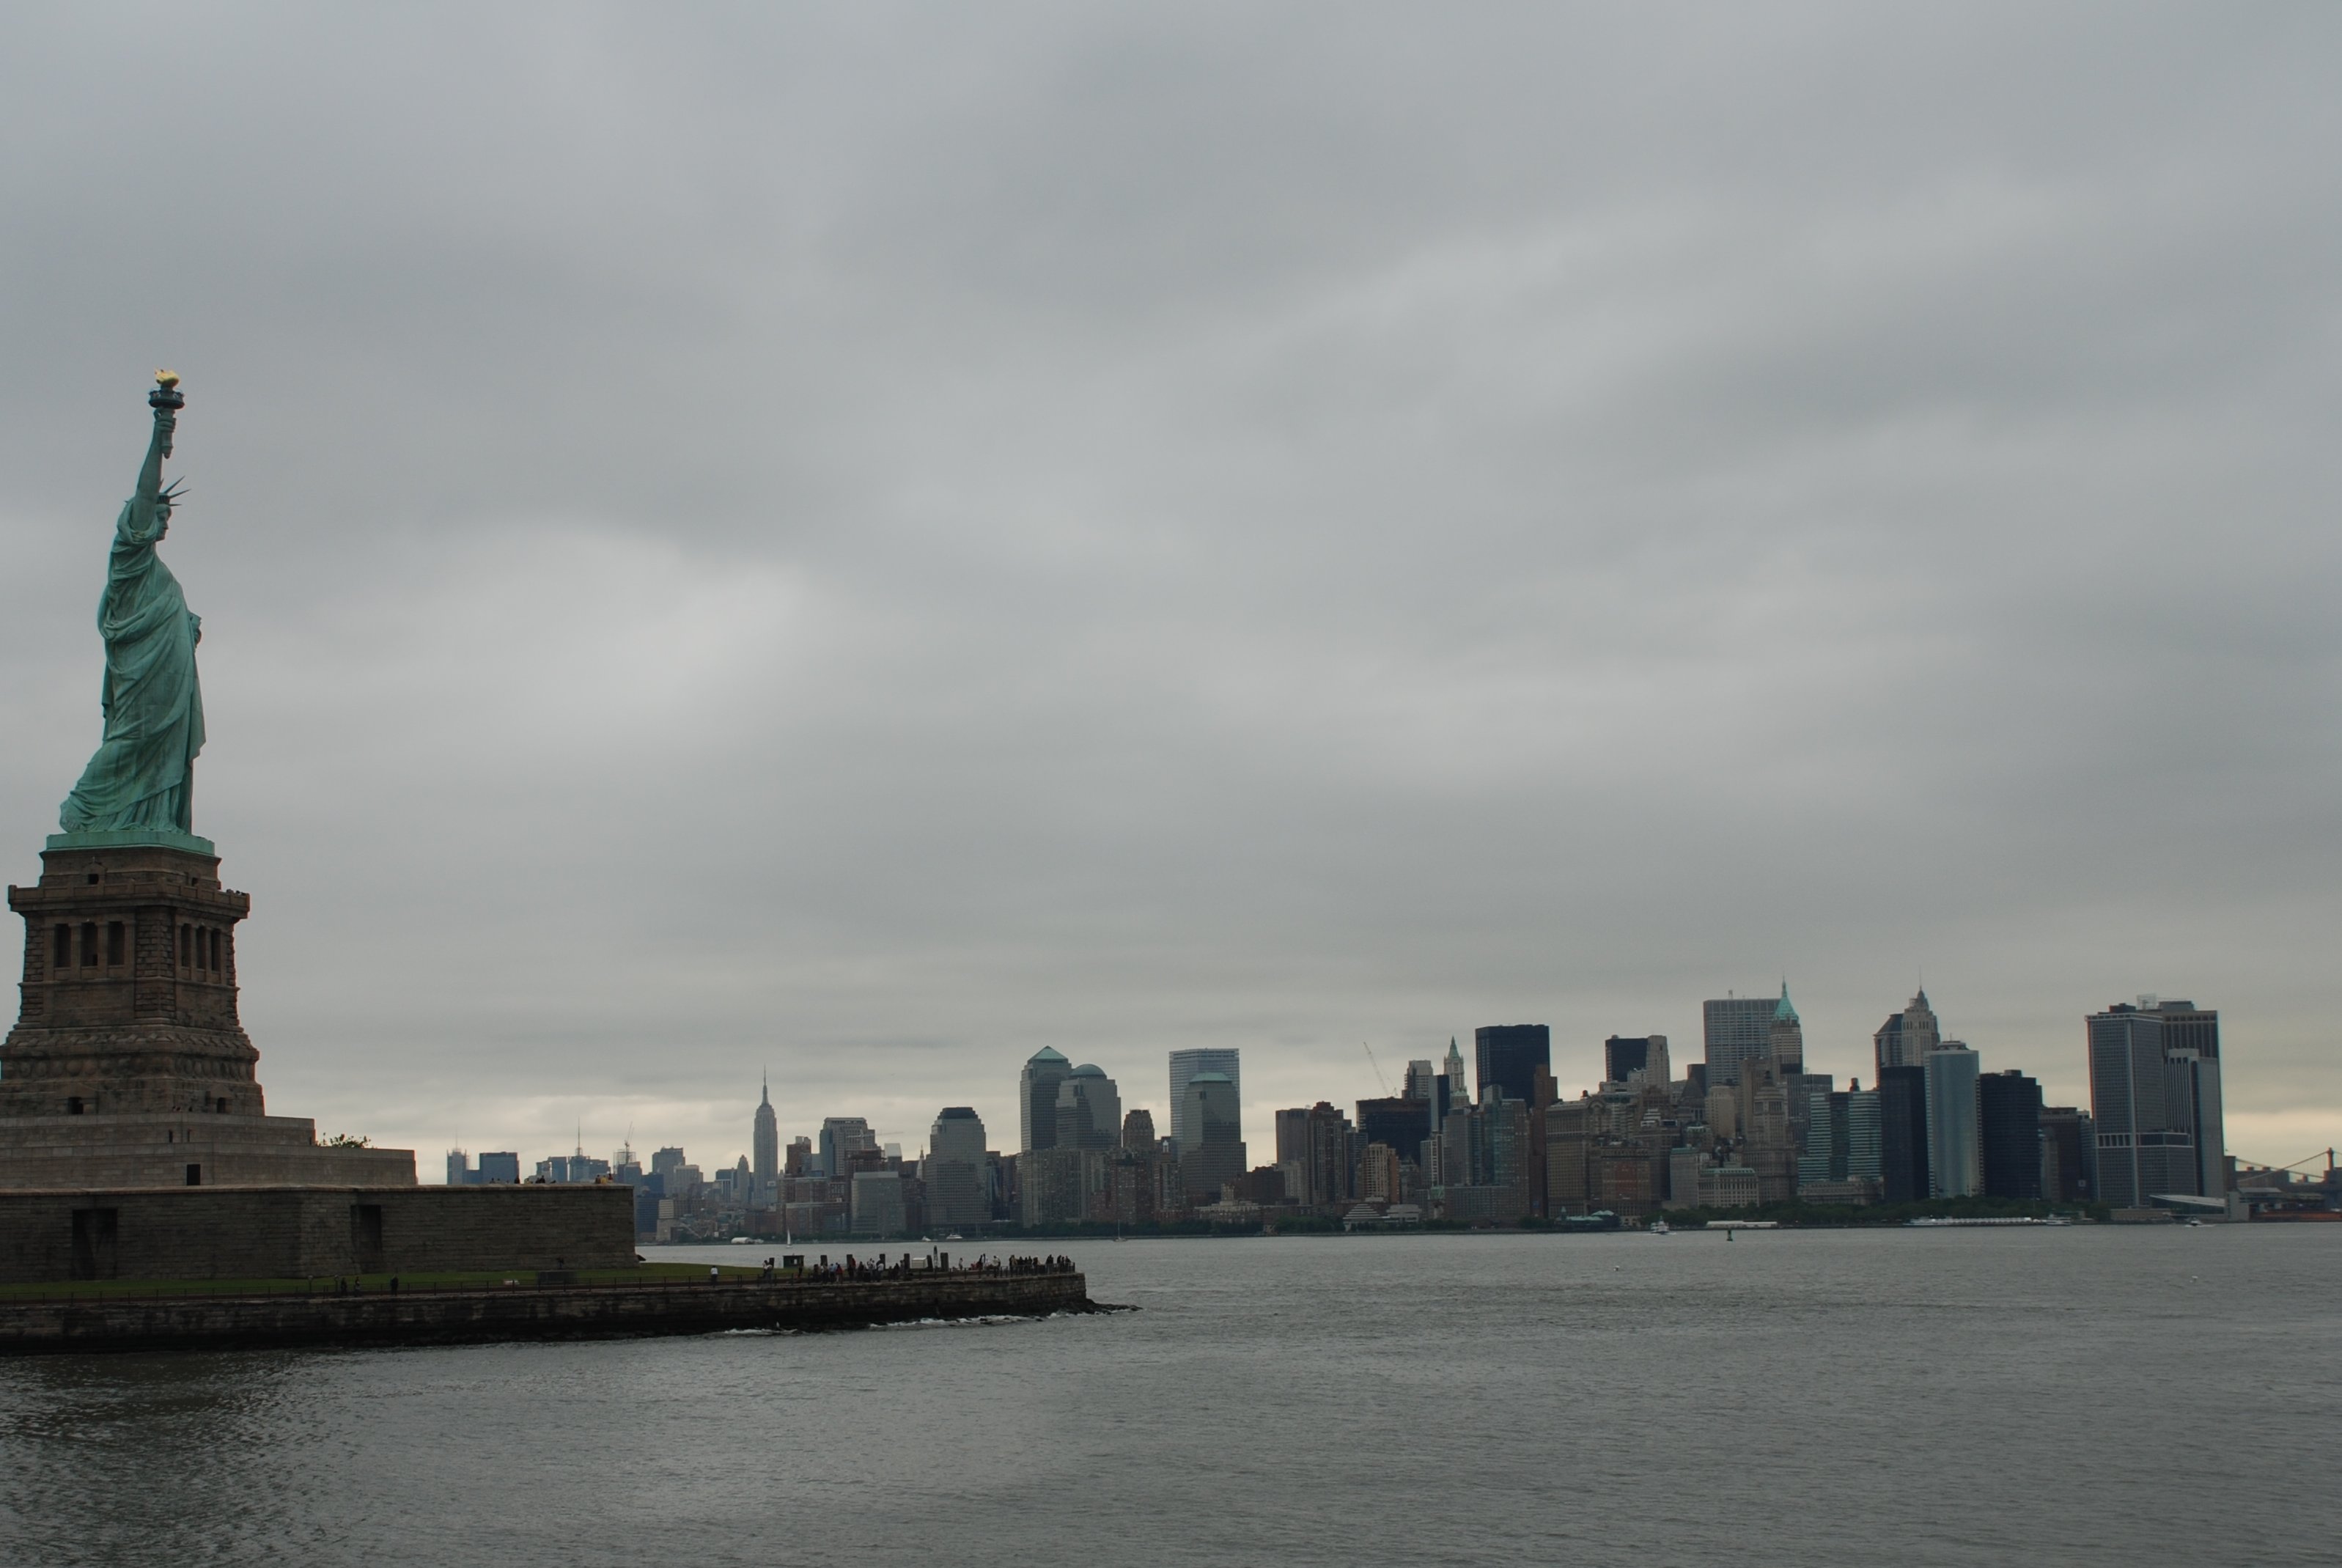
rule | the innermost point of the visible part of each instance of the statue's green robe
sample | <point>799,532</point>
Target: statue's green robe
<point>143,773</point>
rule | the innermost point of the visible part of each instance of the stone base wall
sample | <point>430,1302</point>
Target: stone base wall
<point>129,997</point>
<point>81,1152</point>
<point>309,1232</point>
<point>523,1313</point>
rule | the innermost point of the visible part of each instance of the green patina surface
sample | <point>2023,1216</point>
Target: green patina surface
<point>140,780</point>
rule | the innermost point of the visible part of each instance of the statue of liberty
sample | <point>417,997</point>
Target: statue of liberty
<point>142,777</point>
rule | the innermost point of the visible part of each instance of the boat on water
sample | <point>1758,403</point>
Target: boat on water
<point>1659,1228</point>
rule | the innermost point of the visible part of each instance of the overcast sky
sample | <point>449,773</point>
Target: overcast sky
<point>866,542</point>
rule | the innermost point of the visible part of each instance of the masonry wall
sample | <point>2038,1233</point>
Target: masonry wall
<point>284,1232</point>
<point>119,1153</point>
<point>527,1312</point>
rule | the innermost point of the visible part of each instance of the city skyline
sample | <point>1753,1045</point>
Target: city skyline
<point>1063,1078</point>
<point>874,548</point>
<point>1509,1146</point>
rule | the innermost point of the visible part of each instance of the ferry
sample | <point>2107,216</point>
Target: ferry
<point>1659,1228</point>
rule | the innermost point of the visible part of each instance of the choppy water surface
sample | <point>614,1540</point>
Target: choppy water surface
<point>2090,1396</point>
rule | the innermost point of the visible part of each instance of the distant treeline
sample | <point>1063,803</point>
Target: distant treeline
<point>1816,1215</point>
<point>1809,1215</point>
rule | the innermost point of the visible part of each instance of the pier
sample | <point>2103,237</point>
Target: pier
<point>659,1300</point>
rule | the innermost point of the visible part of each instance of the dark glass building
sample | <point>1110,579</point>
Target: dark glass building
<point>1398,1122</point>
<point>1903,1134</point>
<point>1508,1056</point>
<point>2008,1125</point>
<point>2070,1141</point>
<point>1624,1053</point>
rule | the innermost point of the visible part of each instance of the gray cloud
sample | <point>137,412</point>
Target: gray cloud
<point>874,541</point>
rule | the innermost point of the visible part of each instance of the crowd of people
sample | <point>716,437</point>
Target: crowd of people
<point>1059,1264</point>
<point>850,1268</point>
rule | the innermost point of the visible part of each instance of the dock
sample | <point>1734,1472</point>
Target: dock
<point>161,1317</point>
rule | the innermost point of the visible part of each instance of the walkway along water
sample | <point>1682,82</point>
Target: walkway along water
<point>844,1295</point>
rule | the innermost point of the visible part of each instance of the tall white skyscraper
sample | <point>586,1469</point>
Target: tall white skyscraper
<point>1185,1067</point>
<point>767,1139</point>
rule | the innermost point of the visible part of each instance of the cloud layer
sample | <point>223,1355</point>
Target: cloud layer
<point>872,543</point>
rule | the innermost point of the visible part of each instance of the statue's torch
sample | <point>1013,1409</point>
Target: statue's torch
<point>166,394</point>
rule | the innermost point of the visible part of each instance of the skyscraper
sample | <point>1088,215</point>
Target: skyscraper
<point>1735,1029</point>
<point>1506,1139</point>
<point>1864,1140</point>
<point>1215,1114</point>
<point>1037,1100</point>
<point>1954,1157</point>
<point>1785,1037</point>
<point>2150,1098</point>
<point>1843,1137</point>
<point>1626,1053</point>
<point>1903,1134</point>
<point>2008,1130</point>
<point>1459,1086</point>
<point>1184,1065</point>
<point>1907,1037</point>
<point>958,1191</point>
<point>841,1137</point>
<point>2191,1038</point>
<point>1292,1125</point>
<point>1399,1124</point>
<point>767,1140</point>
<point>2069,1155</point>
<point>1509,1055</point>
<point>1330,1166</point>
<point>1089,1110</point>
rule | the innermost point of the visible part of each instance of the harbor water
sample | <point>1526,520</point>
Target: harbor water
<point>2087,1395</point>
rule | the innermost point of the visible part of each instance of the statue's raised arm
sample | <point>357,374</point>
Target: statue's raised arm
<point>148,511</point>
<point>141,782</point>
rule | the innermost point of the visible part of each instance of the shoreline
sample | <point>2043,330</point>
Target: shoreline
<point>122,1319</point>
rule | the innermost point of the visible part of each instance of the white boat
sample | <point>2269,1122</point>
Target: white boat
<point>1659,1228</point>
<point>742,1240</point>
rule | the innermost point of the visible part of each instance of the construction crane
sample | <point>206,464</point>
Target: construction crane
<point>1376,1066</point>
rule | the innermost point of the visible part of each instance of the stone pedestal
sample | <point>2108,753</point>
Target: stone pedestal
<point>128,1065</point>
